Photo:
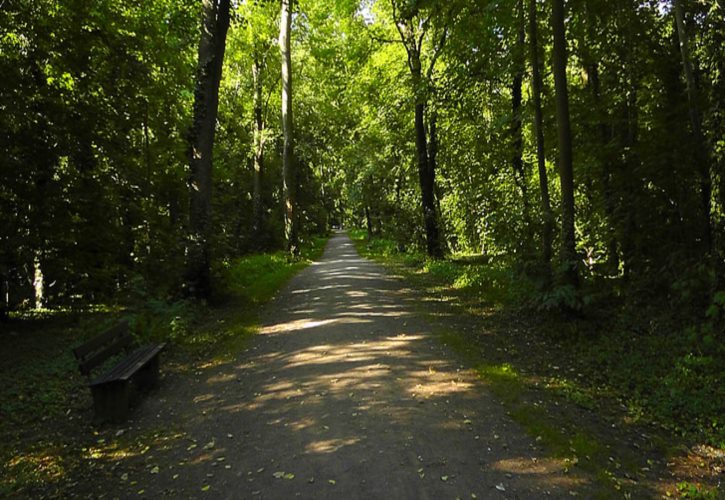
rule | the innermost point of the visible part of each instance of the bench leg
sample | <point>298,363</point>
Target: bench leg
<point>110,401</point>
<point>148,376</point>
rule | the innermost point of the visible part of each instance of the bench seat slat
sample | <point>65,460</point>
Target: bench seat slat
<point>129,365</point>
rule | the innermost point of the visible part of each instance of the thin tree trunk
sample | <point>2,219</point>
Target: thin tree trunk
<point>426,171</point>
<point>257,200</point>
<point>215,24</point>
<point>38,282</point>
<point>701,155</point>
<point>547,232</point>
<point>289,177</point>
<point>566,172</point>
<point>517,161</point>
<point>368,222</point>
<point>4,297</point>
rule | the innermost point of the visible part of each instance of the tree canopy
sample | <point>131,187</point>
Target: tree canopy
<point>436,124</point>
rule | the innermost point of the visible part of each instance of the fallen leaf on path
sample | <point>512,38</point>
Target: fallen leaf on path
<point>444,478</point>
<point>289,476</point>
<point>500,487</point>
<point>332,482</point>
<point>155,470</point>
<point>205,488</point>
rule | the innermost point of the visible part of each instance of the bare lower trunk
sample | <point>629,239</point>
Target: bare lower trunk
<point>547,231</point>
<point>566,174</point>
<point>289,177</point>
<point>215,23</point>
<point>38,283</point>
<point>426,177</point>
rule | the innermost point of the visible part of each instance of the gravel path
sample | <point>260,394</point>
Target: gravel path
<point>345,393</point>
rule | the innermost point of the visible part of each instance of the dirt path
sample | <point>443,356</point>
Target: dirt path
<point>344,394</point>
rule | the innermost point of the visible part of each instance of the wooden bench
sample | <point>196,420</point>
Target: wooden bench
<point>114,390</point>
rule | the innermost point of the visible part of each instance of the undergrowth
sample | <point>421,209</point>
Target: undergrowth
<point>44,404</point>
<point>666,366</point>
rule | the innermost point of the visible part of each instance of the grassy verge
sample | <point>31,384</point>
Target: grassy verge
<point>46,434</point>
<point>532,360</point>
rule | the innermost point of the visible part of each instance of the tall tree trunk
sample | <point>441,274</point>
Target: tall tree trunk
<point>566,171</point>
<point>517,161</point>
<point>215,23</point>
<point>426,171</point>
<point>257,200</point>
<point>701,154</point>
<point>547,231</point>
<point>426,176</point>
<point>289,177</point>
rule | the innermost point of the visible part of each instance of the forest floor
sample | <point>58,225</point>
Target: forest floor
<point>347,391</point>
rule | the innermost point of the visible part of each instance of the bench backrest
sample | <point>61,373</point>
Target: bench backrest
<point>100,348</point>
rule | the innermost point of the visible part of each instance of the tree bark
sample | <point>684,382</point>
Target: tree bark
<point>215,23</point>
<point>426,171</point>
<point>547,230</point>
<point>426,177</point>
<point>289,177</point>
<point>257,199</point>
<point>566,172</point>
<point>701,155</point>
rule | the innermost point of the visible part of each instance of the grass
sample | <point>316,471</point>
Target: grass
<point>46,435</point>
<point>600,361</point>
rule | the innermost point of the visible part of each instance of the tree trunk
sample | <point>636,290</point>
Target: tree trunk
<point>701,154</point>
<point>368,223</point>
<point>4,296</point>
<point>257,200</point>
<point>426,176</point>
<point>547,231</point>
<point>215,23</point>
<point>517,160</point>
<point>38,283</point>
<point>566,172</point>
<point>289,177</point>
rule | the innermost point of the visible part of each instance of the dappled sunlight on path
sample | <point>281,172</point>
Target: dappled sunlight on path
<point>346,394</point>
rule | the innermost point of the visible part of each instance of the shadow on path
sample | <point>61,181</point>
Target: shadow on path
<point>343,394</point>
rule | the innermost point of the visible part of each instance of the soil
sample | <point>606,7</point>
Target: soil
<point>344,393</point>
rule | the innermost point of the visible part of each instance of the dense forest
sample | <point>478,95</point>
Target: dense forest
<point>583,143</point>
<point>579,146</point>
